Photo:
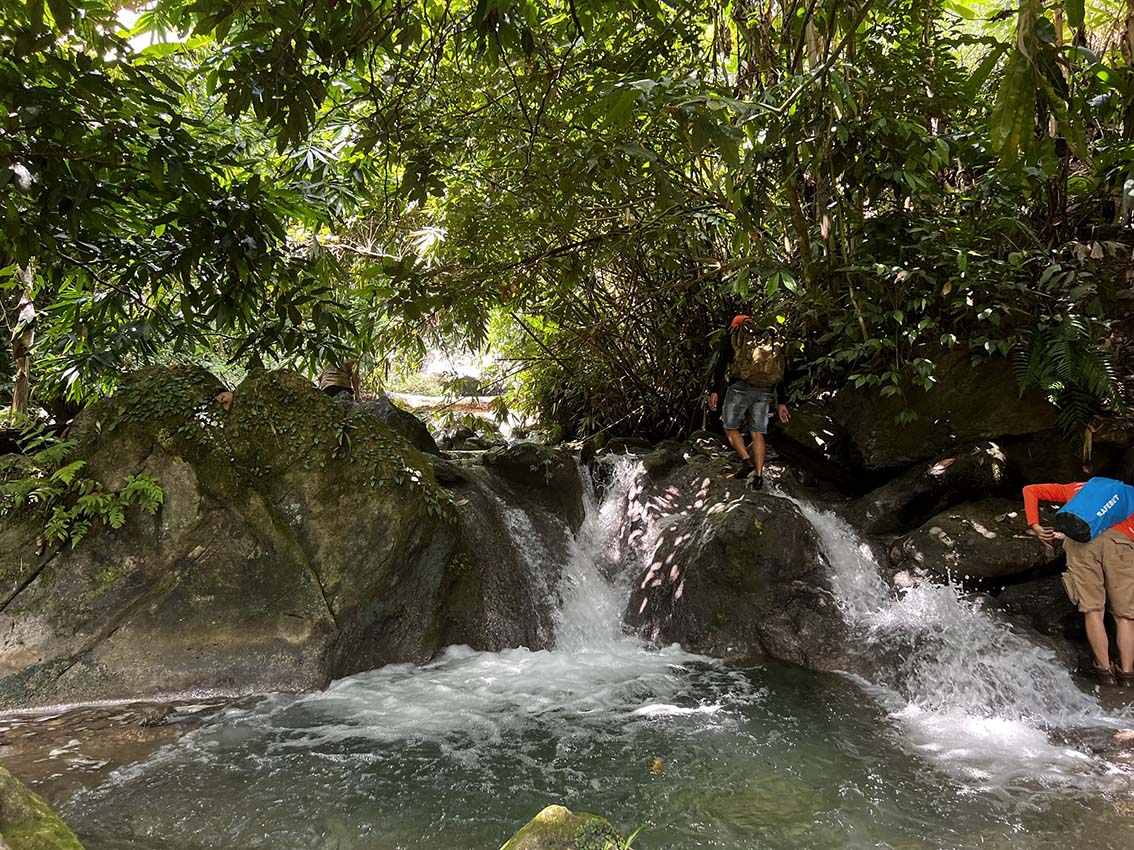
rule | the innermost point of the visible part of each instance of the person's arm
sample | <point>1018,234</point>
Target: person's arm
<point>356,381</point>
<point>1035,493</point>
<point>720,371</point>
<point>780,391</point>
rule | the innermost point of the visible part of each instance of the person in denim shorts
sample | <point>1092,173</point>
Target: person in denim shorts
<point>743,401</point>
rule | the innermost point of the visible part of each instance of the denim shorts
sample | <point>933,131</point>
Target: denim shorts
<point>742,398</point>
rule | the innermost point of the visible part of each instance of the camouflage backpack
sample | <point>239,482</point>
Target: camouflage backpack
<point>758,358</point>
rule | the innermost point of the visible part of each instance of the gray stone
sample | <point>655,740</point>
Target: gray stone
<point>558,828</point>
<point>298,542</point>
<point>1043,604</point>
<point>922,491</point>
<point>985,540</point>
<point>627,445</point>
<point>735,574</point>
<point>969,402</point>
<point>549,474</point>
<point>401,421</point>
<point>814,442</point>
<point>27,822</point>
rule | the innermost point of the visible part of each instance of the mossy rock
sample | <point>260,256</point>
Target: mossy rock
<point>298,542</point>
<point>735,574</point>
<point>27,822</point>
<point>558,828</point>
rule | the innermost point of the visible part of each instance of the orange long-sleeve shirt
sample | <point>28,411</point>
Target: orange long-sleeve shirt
<point>1061,494</point>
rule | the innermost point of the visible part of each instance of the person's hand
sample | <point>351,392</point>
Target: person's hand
<point>1047,535</point>
<point>713,402</point>
<point>785,417</point>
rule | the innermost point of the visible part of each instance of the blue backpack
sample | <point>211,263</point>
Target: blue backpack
<point>1100,504</point>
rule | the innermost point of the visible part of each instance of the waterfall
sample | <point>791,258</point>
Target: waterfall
<point>594,584</point>
<point>965,684</point>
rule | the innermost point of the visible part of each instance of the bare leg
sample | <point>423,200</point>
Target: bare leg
<point>1096,637</point>
<point>737,442</point>
<point>1125,640</point>
<point>758,450</point>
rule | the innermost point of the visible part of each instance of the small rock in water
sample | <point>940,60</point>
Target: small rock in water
<point>904,579</point>
<point>154,715</point>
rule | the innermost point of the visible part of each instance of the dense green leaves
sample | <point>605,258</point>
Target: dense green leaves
<point>595,184</point>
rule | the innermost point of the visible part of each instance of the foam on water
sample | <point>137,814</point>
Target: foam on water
<point>456,753</point>
<point>974,695</point>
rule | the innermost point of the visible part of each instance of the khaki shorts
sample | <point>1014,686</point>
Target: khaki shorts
<point>1100,574</point>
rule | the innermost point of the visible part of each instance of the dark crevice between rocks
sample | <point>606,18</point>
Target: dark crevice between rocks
<point>47,558</point>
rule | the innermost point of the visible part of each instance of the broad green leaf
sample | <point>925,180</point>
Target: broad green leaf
<point>1076,12</point>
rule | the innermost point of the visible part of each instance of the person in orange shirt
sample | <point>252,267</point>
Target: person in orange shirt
<point>1100,575</point>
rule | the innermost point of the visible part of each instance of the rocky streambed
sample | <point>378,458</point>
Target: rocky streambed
<point>302,542</point>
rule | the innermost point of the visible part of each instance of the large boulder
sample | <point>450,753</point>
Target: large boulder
<point>558,828</point>
<point>298,542</point>
<point>970,401</point>
<point>543,472</point>
<point>813,441</point>
<point>922,491</point>
<point>505,590</point>
<point>986,540</point>
<point>1044,605</point>
<point>732,573</point>
<point>27,822</point>
<point>402,421</point>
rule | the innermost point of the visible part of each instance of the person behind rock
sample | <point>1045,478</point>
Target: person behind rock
<point>754,360</point>
<point>340,380</point>
<point>1100,570</point>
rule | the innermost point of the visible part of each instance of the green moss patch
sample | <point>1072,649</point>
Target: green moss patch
<point>27,822</point>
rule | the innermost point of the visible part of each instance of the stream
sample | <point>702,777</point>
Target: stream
<point>971,737</point>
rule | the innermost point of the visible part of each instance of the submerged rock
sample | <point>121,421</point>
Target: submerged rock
<point>732,573</point>
<point>27,822</point>
<point>298,541</point>
<point>558,828</point>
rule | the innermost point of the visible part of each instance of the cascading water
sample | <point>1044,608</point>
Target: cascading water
<point>973,693</point>
<point>460,752</point>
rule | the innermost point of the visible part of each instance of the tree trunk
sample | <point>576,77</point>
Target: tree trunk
<point>23,337</point>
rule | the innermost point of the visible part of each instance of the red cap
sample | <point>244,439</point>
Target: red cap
<point>739,320</point>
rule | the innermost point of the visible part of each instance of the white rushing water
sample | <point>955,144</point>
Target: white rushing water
<point>595,667</point>
<point>976,696</point>
<point>459,752</point>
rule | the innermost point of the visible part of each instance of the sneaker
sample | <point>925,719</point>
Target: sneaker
<point>1105,675</point>
<point>758,482</point>
<point>743,472</point>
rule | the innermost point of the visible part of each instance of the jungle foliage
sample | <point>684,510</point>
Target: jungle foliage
<point>593,186</point>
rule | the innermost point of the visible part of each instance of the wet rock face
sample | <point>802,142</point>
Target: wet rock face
<point>505,589</point>
<point>968,402</point>
<point>298,542</point>
<point>732,573</point>
<point>545,473</point>
<point>922,491</point>
<point>27,822</point>
<point>558,828</point>
<point>986,540</point>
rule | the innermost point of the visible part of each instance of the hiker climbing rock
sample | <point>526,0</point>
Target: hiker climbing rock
<point>755,361</point>
<point>1097,524</point>
<point>340,379</point>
